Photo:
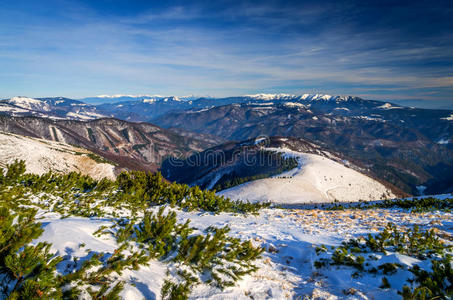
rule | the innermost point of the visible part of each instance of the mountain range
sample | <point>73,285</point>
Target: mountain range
<point>407,147</point>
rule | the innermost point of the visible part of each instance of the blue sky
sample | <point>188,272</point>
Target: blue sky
<point>374,49</point>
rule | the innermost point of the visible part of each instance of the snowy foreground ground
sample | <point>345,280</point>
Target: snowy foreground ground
<point>286,269</point>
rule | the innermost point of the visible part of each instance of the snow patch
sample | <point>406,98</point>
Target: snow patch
<point>389,106</point>
<point>341,108</point>
<point>84,115</point>
<point>449,118</point>
<point>421,189</point>
<point>294,104</point>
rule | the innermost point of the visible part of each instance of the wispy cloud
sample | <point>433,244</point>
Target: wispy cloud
<point>234,49</point>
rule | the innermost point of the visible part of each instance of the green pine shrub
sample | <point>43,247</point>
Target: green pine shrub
<point>435,284</point>
<point>29,272</point>
<point>146,189</point>
<point>414,205</point>
<point>420,244</point>
<point>212,257</point>
<point>385,283</point>
<point>419,204</point>
<point>83,196</point>
<point>26,272</point>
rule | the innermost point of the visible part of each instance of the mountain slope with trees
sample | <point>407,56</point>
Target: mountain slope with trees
<point>139,146</point>
<point>287,170</point>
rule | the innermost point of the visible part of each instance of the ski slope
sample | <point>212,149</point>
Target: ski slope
<point>317,179</point>
<point>42,156</point>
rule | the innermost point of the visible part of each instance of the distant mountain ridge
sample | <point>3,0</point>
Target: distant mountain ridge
<point>142,108</point>
<point>145,108</point>
<point>53,108</point>
<point>261,96</point>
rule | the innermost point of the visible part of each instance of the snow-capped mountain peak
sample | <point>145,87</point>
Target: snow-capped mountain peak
<point>325,97</point>
<point>321,97</point>
<point>128,96</point>
<point>271,96</point>
<point>29,103</point>
<point>303,97</point>
<point>155,99</point>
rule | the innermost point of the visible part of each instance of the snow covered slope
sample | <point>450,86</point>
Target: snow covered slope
<point>317,179</point>
<point>53,108</point>
<point>286,270</point>
<point>41,156</point>
<point>30,104</point>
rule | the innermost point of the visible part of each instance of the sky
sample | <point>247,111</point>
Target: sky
<point>374,49</point>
